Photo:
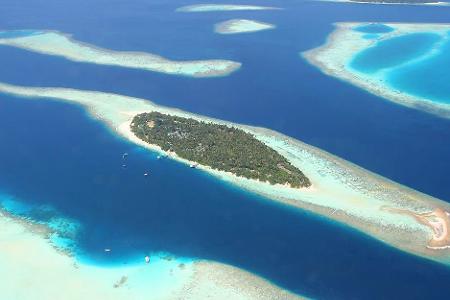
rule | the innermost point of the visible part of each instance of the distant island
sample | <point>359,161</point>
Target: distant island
<point>397,1</point>
<point>220,147</point>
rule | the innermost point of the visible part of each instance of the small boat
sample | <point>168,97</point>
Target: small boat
<point>145,174</point>
<point>147,259</point>
<point>107,250</point>
<point>124,155</point>
<point>193,166</point>
<point>158,157</point>
<point>124,166</point>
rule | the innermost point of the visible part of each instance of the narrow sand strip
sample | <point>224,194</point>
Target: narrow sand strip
<point>60,44</point>
<point>341,191</point>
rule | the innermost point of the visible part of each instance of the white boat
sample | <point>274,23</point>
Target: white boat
<point>147,259</point>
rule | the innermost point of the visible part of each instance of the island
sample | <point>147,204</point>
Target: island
<point>241,26</point>
<point>392,213</point>
<point>60,44</point>
<point>217,146</point>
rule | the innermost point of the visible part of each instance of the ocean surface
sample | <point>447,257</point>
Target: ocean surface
<point>57,160</point>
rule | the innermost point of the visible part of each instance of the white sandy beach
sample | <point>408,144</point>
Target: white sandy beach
<point>236,26</point>
<point>341,191</point>
<point>60,44</point>
<point>334,56</point>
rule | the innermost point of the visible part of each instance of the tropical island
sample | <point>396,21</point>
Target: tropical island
<point>394,214</point>
<point>218,146</point>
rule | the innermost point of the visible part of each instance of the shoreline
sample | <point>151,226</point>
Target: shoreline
<point>343,192</point>
<point>333,56</point>
<point>125,130</point>
<point>55,43</point>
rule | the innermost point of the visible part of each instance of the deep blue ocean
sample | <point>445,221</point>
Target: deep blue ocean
<point>53,154</point>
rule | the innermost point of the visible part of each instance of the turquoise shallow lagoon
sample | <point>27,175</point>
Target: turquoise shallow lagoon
<point>427,78</point>
<point>394,51</point>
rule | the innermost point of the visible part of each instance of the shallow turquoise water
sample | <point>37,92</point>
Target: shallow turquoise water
<point>374,28</point>
<point>370,36</point>
<point>427,78</point>
<point>394,51</point>
<point>17,33</point>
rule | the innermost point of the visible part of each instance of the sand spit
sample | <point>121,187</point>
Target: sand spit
<point>340,190</point>
<point>25,252</point>
<point>335,55</point>
<point>221,7</point>
<point>438,220</point>
<point>60,44</point>
<point>241,26</point>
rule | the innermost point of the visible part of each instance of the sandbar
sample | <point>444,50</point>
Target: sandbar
<point>63,45</point>
<point>241,26</point>
<point>340,190</point>
<point>344,42</point>
<point>222,7</point>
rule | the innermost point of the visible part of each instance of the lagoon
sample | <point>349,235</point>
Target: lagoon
<point>394,51</point>
<point>283,93</point>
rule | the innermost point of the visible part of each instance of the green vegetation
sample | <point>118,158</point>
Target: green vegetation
<point>220,147</point>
